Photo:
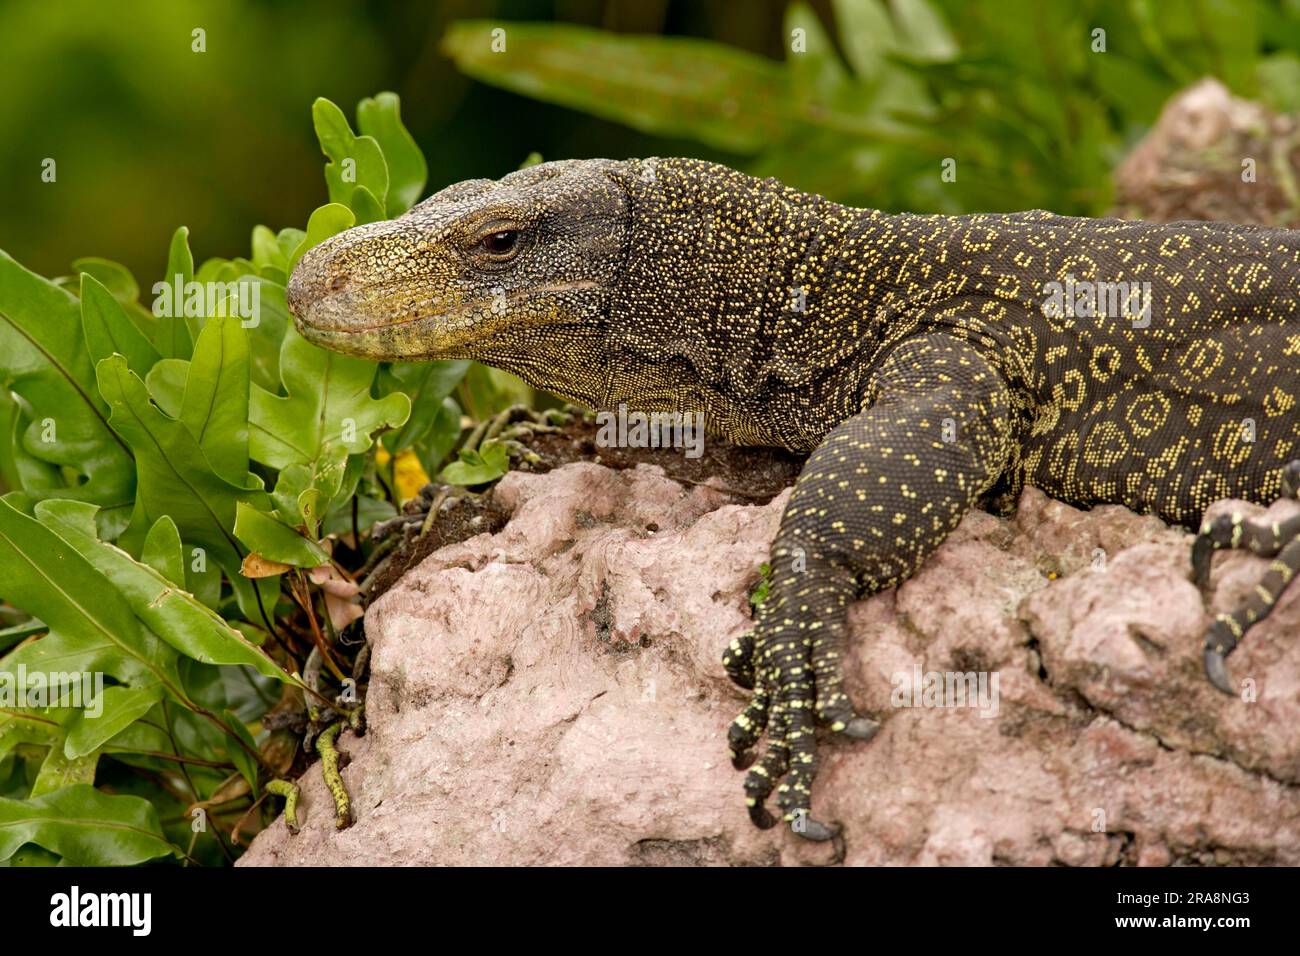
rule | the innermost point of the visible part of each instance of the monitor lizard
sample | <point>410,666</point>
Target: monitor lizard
<point>927,364</point>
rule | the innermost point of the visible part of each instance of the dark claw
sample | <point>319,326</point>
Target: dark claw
<point>1217,672</point>
<point>761,817</point>
<point>814,830</point>
<point>861,728</point>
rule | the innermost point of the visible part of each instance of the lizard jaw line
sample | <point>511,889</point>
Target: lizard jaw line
<point>449,334</point>
<point>457,313</point>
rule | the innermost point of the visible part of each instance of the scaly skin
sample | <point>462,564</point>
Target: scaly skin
<point>912,356</point>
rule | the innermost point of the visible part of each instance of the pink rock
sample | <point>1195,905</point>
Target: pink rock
<point>553,694</point>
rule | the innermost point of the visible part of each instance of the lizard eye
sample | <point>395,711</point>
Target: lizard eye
<point>501,244</point>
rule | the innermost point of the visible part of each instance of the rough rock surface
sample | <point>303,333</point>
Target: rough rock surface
<point>552,693</point>
<point>1213,156</point>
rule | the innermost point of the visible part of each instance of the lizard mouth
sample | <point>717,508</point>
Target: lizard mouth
<point>360,324</point>
<point>343,324</point>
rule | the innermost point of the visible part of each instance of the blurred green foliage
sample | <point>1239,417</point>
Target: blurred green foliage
<point>1032,102</point>
<point>147,133</point>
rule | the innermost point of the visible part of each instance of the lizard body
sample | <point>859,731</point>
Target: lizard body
<point>927,363</point>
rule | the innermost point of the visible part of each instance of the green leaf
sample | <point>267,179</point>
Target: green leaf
<point>175,477</point>
<point>366,206</point>
<point>922,33</point>
<point>92,627</point>
<point>427,384</point>
<point>355,162</point>
<point>441,438</point>
<point>872,43</point>
<point>266,250</point>
<point>297,498</point>
<point>120,707</point>
<point>326,221</point>
<point>670,86</point>
<point>166,383</point>
<point>215,404</point>
<point>289,239</point>
<point>108,329</point>
<point>43,358</point>
<point>326,416</point>
<point>113,276</point>
<point>162,550</point>
<point>478,467</point>
<point>21,469</point>
<point>200,577</point>
<point>867,34</point>
<point>380,117</point>
<point>241,757</point>
<point>10,636</point>
<point>275,540</point>
<point>28,727</point>
<point>32,856</point>
<point>85,827</point>
<point>10,412</point>
<point>169,612</point>
<point>265,336</point>
<point>1279,81</point>
<point>490,390</point>
<point>58,770</point>
<point>816,70</point>
<point>211,270</point>
<point>140,737</point>
<point>175,332</point>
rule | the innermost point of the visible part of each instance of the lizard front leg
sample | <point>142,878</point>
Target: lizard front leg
<point>875,499</point>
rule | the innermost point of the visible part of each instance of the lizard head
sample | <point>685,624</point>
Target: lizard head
<point>483,269</point>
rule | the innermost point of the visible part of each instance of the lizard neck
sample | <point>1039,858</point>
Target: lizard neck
<point>743,299</point>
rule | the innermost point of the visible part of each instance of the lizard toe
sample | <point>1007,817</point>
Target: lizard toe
<point>748,726</point>
<point>762,777</point>
<point>1216,534</point>
<point>738,660</point>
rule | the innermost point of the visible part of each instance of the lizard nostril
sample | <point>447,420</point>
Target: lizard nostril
<point>338,281</point>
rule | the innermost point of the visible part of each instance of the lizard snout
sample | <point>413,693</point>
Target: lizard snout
<point>318,281</point>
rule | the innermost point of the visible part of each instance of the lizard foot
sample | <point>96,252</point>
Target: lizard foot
<point>799,683</point>
<point>1278,540</point>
